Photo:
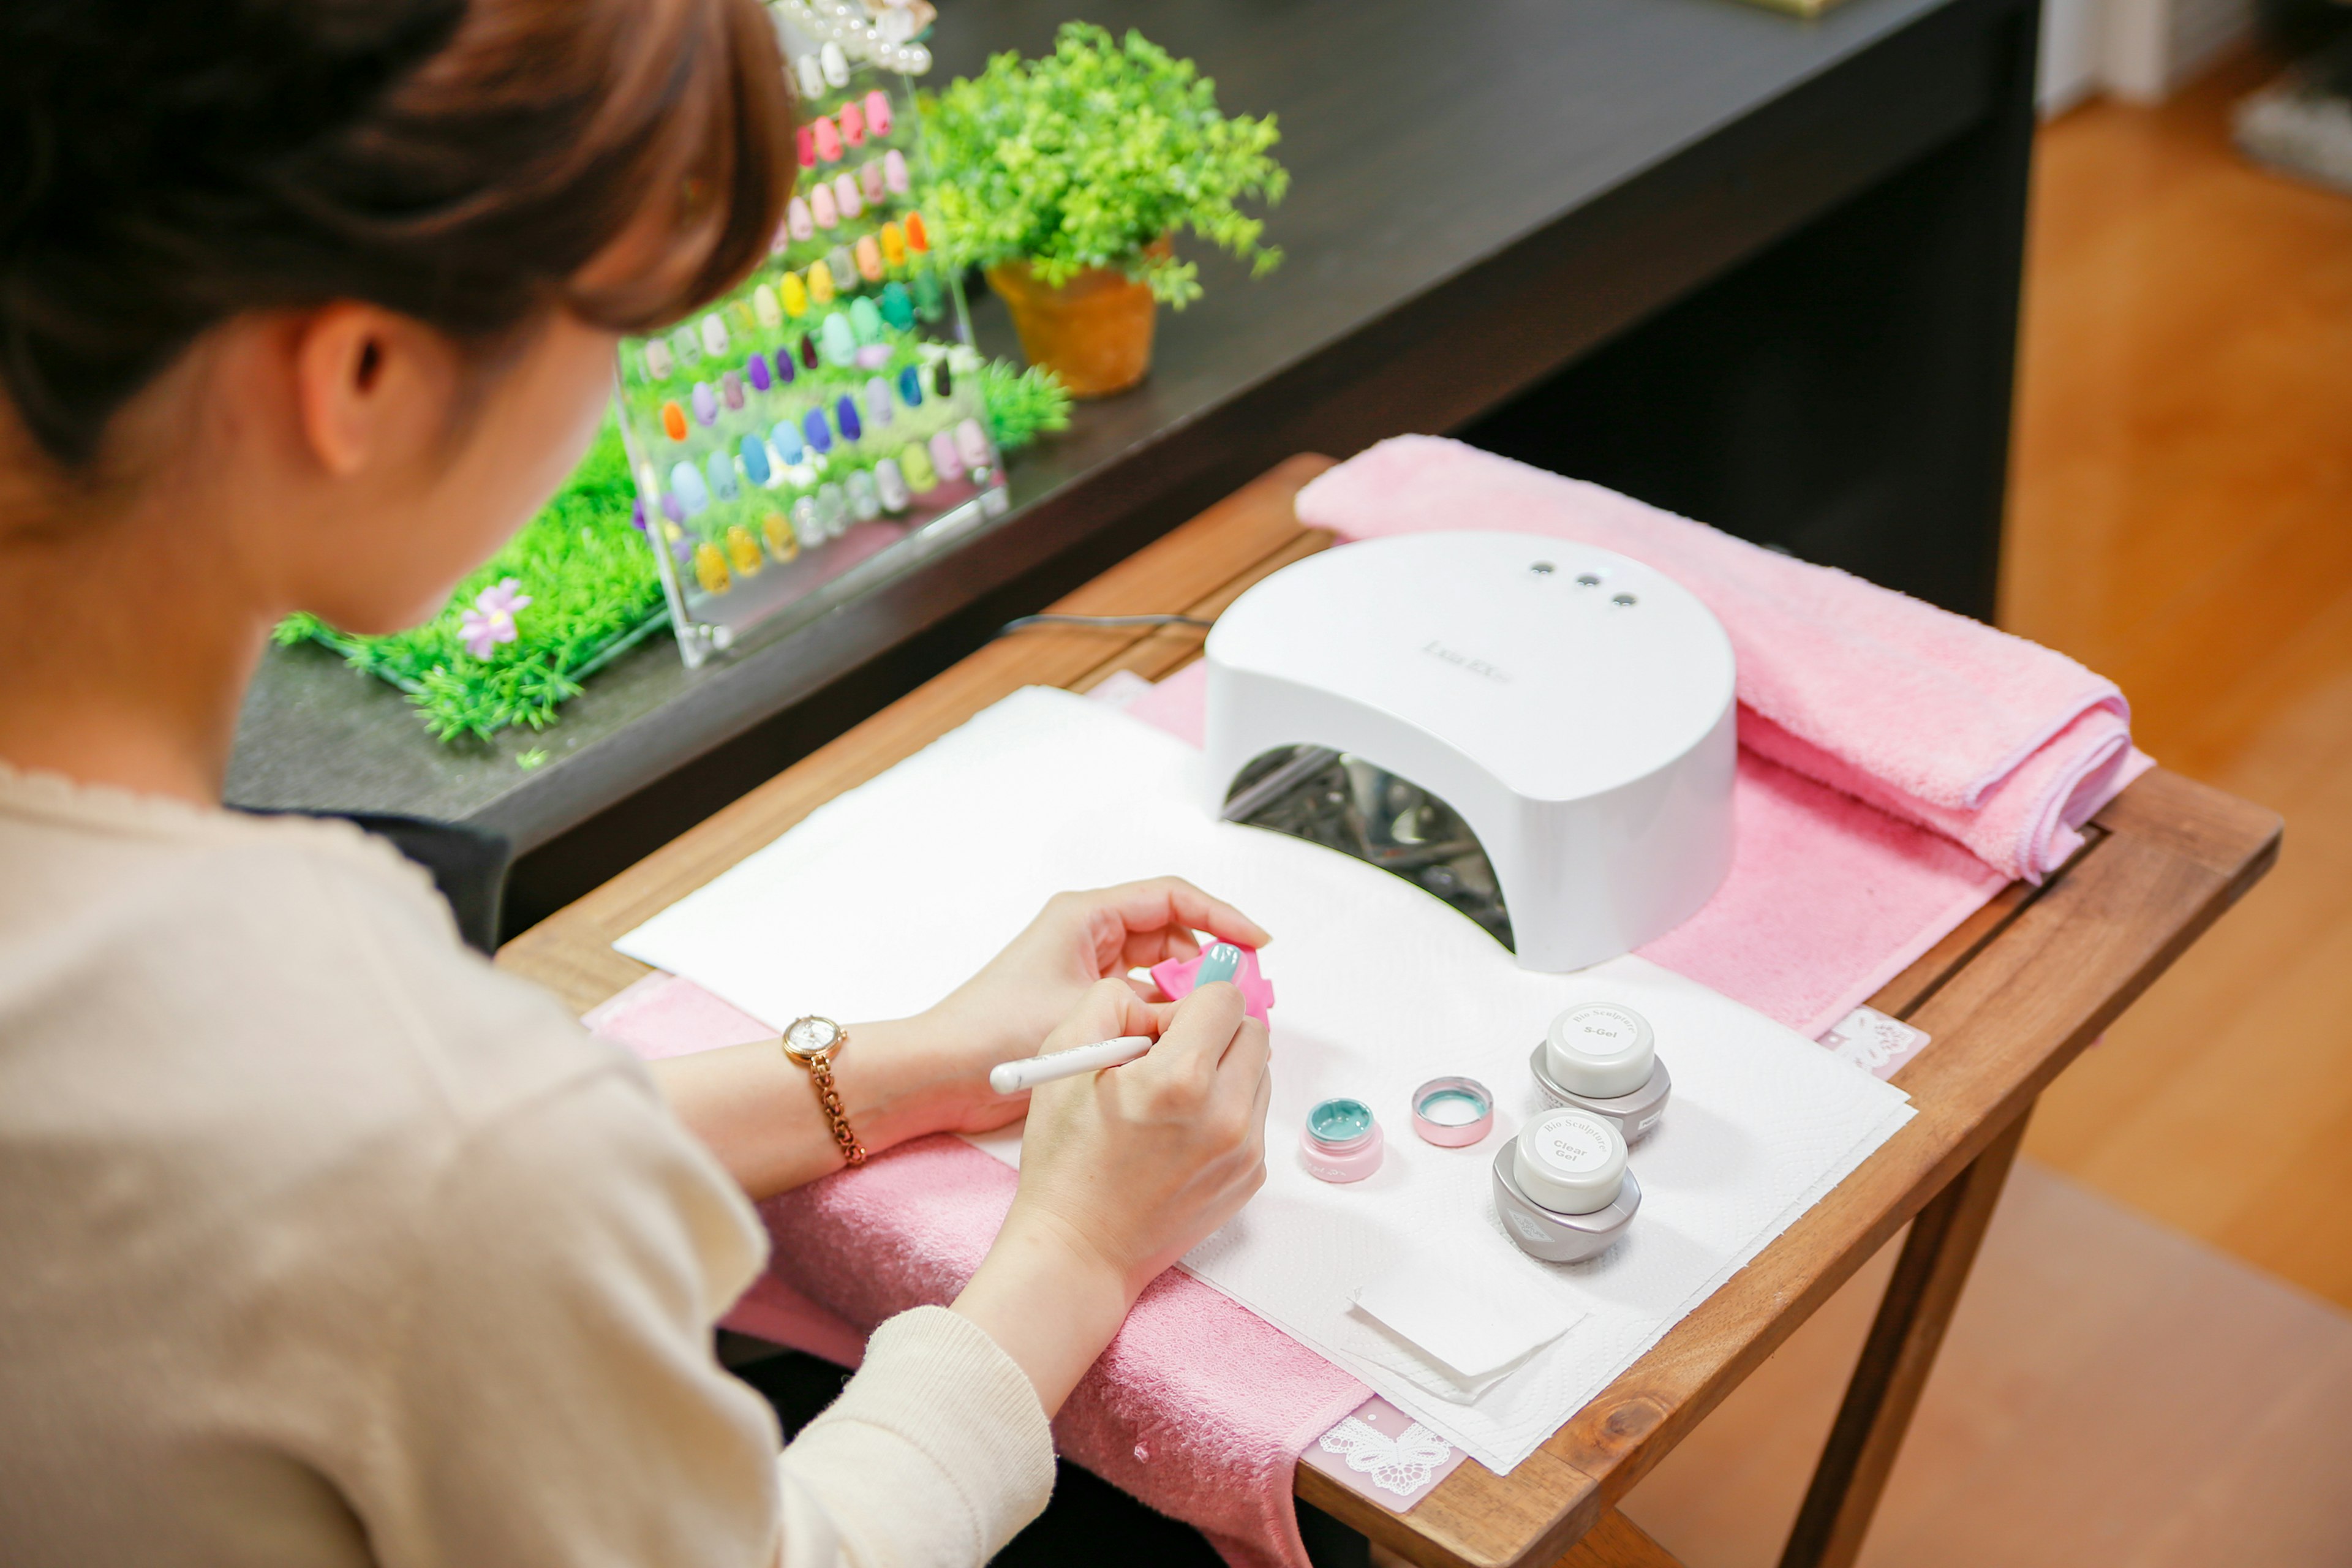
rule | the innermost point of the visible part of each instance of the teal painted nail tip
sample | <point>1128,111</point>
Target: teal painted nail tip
<point>1222,961</point>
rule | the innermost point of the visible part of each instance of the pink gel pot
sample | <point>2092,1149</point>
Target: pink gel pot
<point>1342,1141</point>
<point>1175,981</point>
<point>1452,1113</point>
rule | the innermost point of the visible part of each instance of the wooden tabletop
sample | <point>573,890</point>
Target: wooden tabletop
<point>2010,999</point>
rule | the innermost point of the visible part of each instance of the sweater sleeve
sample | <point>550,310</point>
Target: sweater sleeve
<point>933,1456</point>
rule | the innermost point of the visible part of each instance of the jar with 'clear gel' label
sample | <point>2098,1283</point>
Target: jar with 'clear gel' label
<point>1602,1057</point>
<point>1562,1189</point>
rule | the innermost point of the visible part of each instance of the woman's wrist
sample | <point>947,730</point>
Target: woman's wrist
<point>898,1080</point>
<point>1050,1301</point>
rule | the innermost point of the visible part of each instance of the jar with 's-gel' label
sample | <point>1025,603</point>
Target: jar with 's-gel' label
<point>1562,1187</point>
<point>1601,1057</point>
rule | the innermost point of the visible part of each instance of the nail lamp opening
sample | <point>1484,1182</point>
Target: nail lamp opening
<point>1573,707</point>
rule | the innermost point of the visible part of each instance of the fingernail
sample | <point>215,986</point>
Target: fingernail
<point>1222,961</point>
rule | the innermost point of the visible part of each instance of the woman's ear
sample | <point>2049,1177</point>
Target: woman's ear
<point>368,386</point>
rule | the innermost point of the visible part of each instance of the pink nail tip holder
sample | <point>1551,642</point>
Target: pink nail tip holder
<point>1602,1057</point>
<point>1175,980</point>
<point>1342,1141</point>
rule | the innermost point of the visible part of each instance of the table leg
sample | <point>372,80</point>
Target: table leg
<point>1896,1359</point>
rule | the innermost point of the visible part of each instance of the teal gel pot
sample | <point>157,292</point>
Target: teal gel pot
<point>1342,1141</point>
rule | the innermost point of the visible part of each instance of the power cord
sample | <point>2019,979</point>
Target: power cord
<point>1023,623</point>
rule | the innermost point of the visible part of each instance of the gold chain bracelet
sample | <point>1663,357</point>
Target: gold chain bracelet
<point>812,1043</point>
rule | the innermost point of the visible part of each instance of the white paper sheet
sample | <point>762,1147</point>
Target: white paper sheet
<point>887,897</point>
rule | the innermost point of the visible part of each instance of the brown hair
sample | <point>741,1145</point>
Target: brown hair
<point>165,167</point>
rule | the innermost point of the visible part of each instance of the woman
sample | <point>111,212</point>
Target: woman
<point>320,1241</point>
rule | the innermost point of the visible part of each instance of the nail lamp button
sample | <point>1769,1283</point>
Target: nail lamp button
<point>878,112</point>
<point>720,466</point>
<point>894,171</point>
<point>756,372</point>
<point>1601,1050</point>
<point>892,484</point>
<point>1452,1113</point>
<point>852,120</point>
<point>971,445</point>
<point>822,207</point>
<point>835,65</point>
<point>945,458</point>
<point>686,483</point>
<point>870,181</point>
<point>1570,1162</point>
<point>730,389</point>
<point>865,501</point>
<point>1340,1141</point>
<point>844,415</point>
<point>846,197</point>
<point>765,309</point>
<point>794,294</point>
<point>866,321</point>
<point>706,403</point>
<point>755,459</point>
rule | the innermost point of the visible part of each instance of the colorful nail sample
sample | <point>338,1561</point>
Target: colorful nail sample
<point>869,180</point>
<point>894,171</point>
<point>843,267</point>
<point>720,467</point>
<point>844,415</point>
<point>820,283</point>
<point>891,484</point>
<point>682,344</point>
<point>792,294</point>
<point>658,365</point>
<point>810,75</point>
<point>686,481</point>
<point>916,465</point>
<point>786,439</point>
<point>711,569</point>
<point>880,408</point>
<point>971,445</point>
<point>782,543</point>
<point>805,523</point>
<point>819,434</point>
<point>918,238</point>
<point>852,120</point>
<point>897,308</point>
<point>929,303</point>
<point>673,509</point>
<point>706,403</point>
<point>869,259</point>
<point>756,466</point>
<point>730,389</point>
<point>832,510</point>
<point>798,220</point>
<point>822,209</point>
<point>840,339</point>
<point>893,245</point>
<point>755,370</point>
<point>808,352</point>
<point>739,313</point>
<point>673,419</point>
<point>714,335</point>
<point>865,502</point>
<point>878,112</point>
<point>866,321</point>
<point>910,387</point>
<point>828,142</point>
<point>945,458</point>
<point>742,550</point>
<point>805,146</point>
<point>766,308</point>
<point>836,64</point>
<point>942,379</point>
<point>785,374</point>
<point>847,197</point>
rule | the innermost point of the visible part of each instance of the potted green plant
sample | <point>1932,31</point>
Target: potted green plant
<point>1065,179</point>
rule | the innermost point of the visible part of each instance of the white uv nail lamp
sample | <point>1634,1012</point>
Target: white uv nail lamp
<point>1543,734</point>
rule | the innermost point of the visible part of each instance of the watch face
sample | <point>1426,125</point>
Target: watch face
<point>809,1035</point>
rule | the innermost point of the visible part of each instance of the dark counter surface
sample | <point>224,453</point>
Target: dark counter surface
<point>1480,194</point>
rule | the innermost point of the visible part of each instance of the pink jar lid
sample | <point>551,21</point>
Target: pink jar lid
<point>1342,1141</point>
<point>1452,1113</point>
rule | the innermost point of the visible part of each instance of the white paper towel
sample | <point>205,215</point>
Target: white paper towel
<point>886,898</point>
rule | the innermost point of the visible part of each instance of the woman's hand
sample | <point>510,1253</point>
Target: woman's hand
<point>1122,1172</point>
<point>1077,941</point>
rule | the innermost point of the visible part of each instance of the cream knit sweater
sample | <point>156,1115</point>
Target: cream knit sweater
<point>322,1242</point>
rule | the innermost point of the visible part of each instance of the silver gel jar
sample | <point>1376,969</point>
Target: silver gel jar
<point>1562,1187</point>
<point>1602,1057</point>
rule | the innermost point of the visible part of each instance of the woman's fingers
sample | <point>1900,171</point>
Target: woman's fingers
<point>1145,922</point>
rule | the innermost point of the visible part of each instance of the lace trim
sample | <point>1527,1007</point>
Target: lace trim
<point>1400,1465</point>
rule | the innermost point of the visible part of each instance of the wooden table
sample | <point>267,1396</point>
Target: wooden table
<point>2011,998</point>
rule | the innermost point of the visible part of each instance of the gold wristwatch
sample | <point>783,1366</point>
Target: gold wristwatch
<point>813,1043</point>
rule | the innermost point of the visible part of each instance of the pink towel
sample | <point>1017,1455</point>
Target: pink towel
<point>1200,1407</point>
<point>2002,744</point>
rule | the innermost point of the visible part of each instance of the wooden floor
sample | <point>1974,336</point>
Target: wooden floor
<point>2181,519</point>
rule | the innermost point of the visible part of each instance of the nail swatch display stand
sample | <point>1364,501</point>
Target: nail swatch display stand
<point>828,407</point>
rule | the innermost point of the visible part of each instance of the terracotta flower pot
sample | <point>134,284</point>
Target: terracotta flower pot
<point>1094,332</point>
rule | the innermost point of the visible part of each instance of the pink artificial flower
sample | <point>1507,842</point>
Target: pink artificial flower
<point>491,621</point>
